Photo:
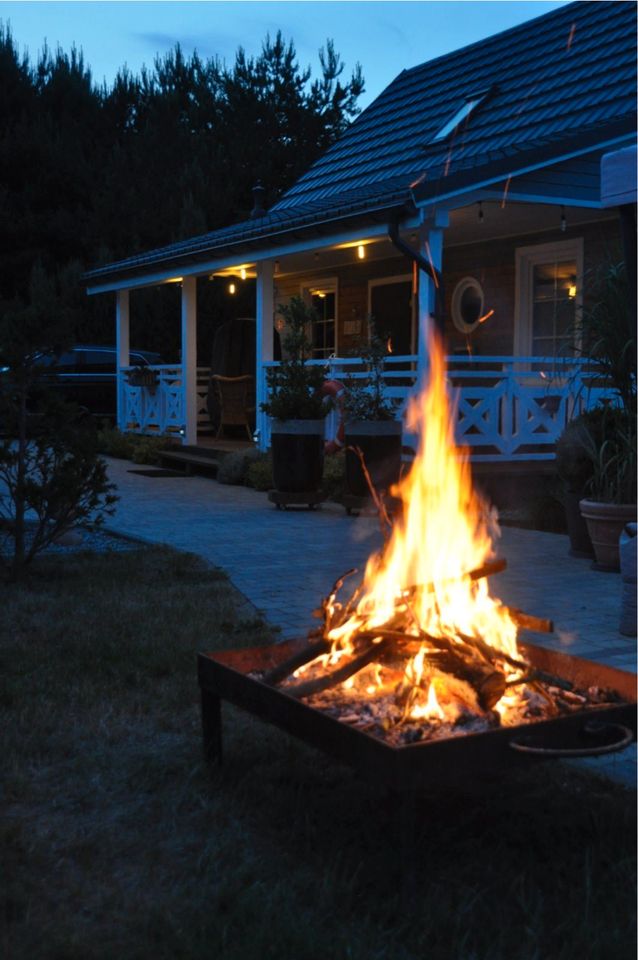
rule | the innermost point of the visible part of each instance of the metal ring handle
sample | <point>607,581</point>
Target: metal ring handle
<point>625,737</point>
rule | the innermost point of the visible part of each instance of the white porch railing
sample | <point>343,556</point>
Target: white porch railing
<point>508,408</point>
<point>160,410</point>
<point>515,408</point>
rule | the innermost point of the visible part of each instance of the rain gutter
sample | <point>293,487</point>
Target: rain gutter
<point>423,264</point>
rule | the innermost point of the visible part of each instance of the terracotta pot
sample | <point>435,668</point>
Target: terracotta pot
<point>605,522</point>
<point>579,540</point>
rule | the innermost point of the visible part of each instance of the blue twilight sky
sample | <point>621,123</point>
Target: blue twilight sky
<point>384,36</point>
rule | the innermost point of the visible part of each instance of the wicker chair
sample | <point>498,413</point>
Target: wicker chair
<point>236,399</point>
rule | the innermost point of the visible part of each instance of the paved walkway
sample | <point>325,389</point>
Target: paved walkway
<point>284,562</point>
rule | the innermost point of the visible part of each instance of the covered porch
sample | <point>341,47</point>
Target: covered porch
<point>501,274</point>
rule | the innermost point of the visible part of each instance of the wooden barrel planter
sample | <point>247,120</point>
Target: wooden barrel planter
<point>297,461</point>
<point>380,443</point>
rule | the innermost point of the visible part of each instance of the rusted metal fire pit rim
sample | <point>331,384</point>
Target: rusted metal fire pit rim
<point>231,682</point>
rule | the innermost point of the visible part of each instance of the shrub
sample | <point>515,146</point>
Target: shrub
<point>259,473</point>
<point>113,443</point>
<point>53,474</point>
<point>148,449</point>
<point>234,467</point>
<point>130,446</point>
<point>334,475</point>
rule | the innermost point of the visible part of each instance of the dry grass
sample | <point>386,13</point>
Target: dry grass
<point>117,843</point>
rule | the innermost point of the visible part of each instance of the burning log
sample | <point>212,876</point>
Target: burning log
<point>309,687</point>
<point>528,622</point>
<point>486,570</point>
<point>300,659</point>
<point>488,682</point>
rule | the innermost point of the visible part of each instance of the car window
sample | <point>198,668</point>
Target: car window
<point>71,360</point>
<point>102,361</point>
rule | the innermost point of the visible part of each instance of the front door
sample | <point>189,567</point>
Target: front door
<point>391,308</point>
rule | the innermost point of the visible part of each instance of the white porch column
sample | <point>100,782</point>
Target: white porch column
<point>123,350</point>
<point>265,325</point>
<point>189,358</point>
<point>431,249</point>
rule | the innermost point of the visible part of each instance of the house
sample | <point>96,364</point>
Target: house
<point>468,194</point>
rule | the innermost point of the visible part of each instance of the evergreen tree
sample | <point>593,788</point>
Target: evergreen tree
<point>94,174</point>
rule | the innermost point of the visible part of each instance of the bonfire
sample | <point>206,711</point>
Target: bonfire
<point>420,649</point>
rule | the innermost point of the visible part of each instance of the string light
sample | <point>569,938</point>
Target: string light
<point>232,288</point>
<point>243,273</point>
<point>361,251</point>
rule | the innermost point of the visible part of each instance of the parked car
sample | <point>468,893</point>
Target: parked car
<point>86,375</point>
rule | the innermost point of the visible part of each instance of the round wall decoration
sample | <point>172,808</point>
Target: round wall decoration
<point>468,301</point>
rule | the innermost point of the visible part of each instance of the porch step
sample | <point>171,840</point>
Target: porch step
<point>191,461</point>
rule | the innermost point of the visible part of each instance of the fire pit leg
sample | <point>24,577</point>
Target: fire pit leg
<point>212,726</point>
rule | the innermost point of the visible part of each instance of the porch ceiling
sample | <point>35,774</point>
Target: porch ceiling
<point>512,220</point>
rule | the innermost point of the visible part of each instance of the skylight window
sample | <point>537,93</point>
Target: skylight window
<point>461,114</point>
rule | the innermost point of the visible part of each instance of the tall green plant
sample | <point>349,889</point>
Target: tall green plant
<point>294,385</point>
<point>612,454</point>
<point>367,398</point>
<point>596,455</point>
<point>608,335</point>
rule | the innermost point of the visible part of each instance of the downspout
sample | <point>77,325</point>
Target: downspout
<point>427,267</point>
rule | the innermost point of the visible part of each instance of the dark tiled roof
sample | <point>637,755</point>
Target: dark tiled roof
<point>563,79</point>
<point>552,77</point>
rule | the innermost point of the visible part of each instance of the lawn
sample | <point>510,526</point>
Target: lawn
<point>117,842</point>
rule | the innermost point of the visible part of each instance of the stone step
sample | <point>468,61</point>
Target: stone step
<point>212,453</point>
<point>189,461</point>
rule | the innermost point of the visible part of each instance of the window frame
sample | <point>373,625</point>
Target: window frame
<point>527,258</point>
<point>470,105</point>
<point>331,285</point>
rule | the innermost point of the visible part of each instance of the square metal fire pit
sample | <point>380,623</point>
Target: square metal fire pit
<point>224,675</point>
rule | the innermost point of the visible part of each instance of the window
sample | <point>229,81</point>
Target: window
<point>549,281</point>
<point>323,329</point>
<point>322,296</point>
<point>463,112</point>
<point>553,308</point>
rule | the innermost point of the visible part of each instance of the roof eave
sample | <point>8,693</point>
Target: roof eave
<point>116,275</point>
<point>495,170</point>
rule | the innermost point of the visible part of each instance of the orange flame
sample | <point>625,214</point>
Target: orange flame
<point>445,530</point>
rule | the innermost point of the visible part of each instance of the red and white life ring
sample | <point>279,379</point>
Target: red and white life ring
<point>335,390</point>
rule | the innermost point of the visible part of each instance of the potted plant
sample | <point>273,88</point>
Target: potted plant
<point>297,411</point>
<point>371,425</point>
<point>610,501</point>
<point>596,455</point>
<point>141,376</point>
<point>575,470</point>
